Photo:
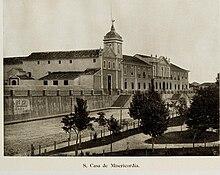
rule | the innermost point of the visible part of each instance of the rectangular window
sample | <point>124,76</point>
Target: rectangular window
<point>48,62</point>
<point>104,64</point>
<point>119,48</point>
<point>144,74</point>
<point>45,82</point>
<point>113,65</point>
<point>132,70</point>
<point>125,85</point>
<point>144,86</point>
<point>59,62</point>
<point>55,82</point>
<point>109,65</point>
<point>139,85</point>
<point>94,60</point>
<point>132,85</point>
<point>38,62</point>
<point>65,82</point>
<point>70,61</point>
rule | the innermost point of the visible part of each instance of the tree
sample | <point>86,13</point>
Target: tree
<point>136,105</point>
<point>102,121</point>
<point>77,121</point>
<point>154,114</point>
<point>182,107</point>
<point>204,111</point>
<point>113,125</point>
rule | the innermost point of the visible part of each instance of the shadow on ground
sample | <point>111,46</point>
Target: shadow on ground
<point>184,137</point>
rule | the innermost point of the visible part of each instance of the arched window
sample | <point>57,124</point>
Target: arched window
<point>14,82</point>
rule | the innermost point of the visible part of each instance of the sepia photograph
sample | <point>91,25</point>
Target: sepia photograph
<point>111,78</point>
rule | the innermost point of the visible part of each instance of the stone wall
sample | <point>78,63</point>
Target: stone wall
<point>26,105</point>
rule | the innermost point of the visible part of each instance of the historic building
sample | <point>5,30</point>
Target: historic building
<point>107,69</point>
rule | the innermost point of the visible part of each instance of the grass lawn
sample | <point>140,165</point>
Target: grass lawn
<point>198,151</point>
<point>184,137</point>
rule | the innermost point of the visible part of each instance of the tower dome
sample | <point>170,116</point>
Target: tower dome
<point>112,34</point>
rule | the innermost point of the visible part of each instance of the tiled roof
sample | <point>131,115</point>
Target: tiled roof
<point>94,53</point>
<point>13,60</point>
<point>174,67</point>
<point>133,60</point>
<point>61,76</point>
<point>25,77</point>
<point>91,71</point>
<point>69,75</point>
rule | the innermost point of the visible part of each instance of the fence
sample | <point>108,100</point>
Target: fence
<point>85,137</point>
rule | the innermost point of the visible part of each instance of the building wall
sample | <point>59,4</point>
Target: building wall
<point>86,80</point>
<point>41,68</point>
<point>138,75</point>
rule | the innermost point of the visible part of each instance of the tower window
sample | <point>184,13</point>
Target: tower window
<point>70,61</point>
<point>118,48</point>
<point>48,62</point>
<point>94,60</point>
<point>113,65</point>
<point>38,62</point>
<point>104,64</point>
<point>59,62</point>
<point>109,65</point>
<point>170,85</point>
<point>156,85</point>
<point>139,85</point>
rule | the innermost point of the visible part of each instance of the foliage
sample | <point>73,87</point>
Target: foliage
<point>204,111</point>
<point>182,107</point>
<point>152,112</point>
<point>102,121</point>
<point>136,105</point>
<point>77,121</point>
<point>113,125</point>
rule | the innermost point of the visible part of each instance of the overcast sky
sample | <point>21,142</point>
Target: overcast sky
<point>184,30</point>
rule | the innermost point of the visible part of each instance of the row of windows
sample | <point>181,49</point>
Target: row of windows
<point>139,85</point>
<point>55,82</point>
<point>111,65</point>
<point>157,86</point>
<point>60,62</point>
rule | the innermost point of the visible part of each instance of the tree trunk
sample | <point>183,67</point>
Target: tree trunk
<point>76,147</point>
<point>194,137</point>
<point>80,140</point>
<point>153,139</point>
<point>69,135</point>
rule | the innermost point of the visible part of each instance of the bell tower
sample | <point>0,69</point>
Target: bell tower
<point>114,40</point>
<point>112,60</point>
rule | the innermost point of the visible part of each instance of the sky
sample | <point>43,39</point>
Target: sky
<point>186,31</point>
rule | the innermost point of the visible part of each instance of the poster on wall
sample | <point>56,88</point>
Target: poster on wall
<point>21,106</point>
